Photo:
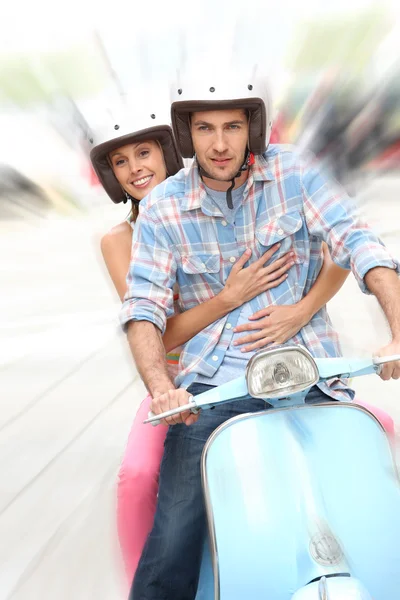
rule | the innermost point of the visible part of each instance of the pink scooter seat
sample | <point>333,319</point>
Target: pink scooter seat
<point>382,416</point>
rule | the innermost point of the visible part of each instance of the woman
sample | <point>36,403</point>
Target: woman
<point>131,156</point>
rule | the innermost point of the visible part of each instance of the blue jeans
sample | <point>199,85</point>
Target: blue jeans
<point>170,564</point>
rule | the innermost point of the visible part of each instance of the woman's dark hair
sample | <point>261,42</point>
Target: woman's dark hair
<point>134,212</point>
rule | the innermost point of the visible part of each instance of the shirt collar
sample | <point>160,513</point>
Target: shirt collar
<point>261,170</point>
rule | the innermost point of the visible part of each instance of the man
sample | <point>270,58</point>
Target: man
<point>196,225</point>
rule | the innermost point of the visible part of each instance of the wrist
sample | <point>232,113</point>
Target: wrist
<point>160,387</point>
<point>306,310</point>
<point>226,300</point>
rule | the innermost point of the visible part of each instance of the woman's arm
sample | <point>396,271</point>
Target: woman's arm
<point>278,324</point>
<point>183,326</point>
<point>241,285</point>
<point>116,249</point>
<point>328,283</point>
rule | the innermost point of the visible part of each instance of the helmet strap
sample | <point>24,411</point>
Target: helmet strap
<point>128,197</point>
<point>247,162</point>
<point>229,194</point>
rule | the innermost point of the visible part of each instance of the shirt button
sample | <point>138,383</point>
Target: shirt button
<point>203,266</point>
<point>280,231</point>
<point>215,358</point>
<point>228,326</point>
<point>224,223</point>
<point>232,259</point>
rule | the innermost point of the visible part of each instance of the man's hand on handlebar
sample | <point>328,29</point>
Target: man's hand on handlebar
<point>390,370</point>
<point>170,400</point>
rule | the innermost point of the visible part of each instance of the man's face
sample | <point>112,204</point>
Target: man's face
<point>220,141</point>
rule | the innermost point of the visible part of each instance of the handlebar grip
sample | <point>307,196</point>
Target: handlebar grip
<point>191,406</point>
<point>150,415</point>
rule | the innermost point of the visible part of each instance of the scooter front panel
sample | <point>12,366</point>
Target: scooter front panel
<point>335,588</point>
<point>293,494</point>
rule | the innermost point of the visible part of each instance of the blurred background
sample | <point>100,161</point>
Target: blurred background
<point>68,387</point>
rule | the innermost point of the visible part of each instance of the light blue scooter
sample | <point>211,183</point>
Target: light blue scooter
<point>303,501</point>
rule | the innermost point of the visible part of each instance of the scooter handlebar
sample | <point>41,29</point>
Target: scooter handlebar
<point>156,419</point>
<point>236,389</point>
<point>381,360</point>
<point>226,392</point>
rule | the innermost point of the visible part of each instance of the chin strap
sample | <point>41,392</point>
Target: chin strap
<point>247,163</point>
<point>229,192</point>
<point>128,197</point>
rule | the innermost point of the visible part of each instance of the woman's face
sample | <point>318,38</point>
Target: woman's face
<point>139,167</point>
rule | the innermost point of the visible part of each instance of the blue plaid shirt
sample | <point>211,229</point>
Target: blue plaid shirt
<point>181,237</point>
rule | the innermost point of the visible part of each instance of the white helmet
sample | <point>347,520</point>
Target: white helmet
<point>127,124</point>
<point>222,91</point>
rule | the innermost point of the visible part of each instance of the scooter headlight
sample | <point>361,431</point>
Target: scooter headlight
<point>280,371</point>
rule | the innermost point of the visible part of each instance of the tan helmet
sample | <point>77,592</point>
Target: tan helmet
<point>129,123</point>
<point>222,91</point>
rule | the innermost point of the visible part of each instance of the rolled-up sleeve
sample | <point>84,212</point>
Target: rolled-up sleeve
<point>151,275</point>
<point>332,216</point>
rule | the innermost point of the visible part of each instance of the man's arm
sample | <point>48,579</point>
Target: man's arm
<point>148,351</point>
<point>385,285</point>
<point>332,216</point>
<point>147,303</point>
